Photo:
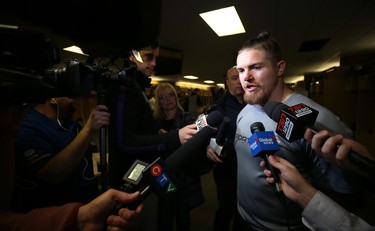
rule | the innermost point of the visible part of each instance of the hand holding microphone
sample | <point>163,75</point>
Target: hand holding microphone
<point>325,145</point>
<point>204,120</point>
<point>187,132</point>
<point>295,186</point>
<point>263,144</point>
<point>216,151</point>
<point>292,122</point>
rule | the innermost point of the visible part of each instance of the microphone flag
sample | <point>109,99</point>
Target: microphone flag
<point>262,143</point>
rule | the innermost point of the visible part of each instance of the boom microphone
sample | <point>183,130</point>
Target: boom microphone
<point>159,174</point>
<point>262,144</point>
<point>292,122</point>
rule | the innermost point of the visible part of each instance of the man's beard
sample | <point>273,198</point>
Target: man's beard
<point>257,97</point>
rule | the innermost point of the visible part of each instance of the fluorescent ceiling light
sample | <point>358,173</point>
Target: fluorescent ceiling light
<point>190,77</point>
<point>209,81</point>
<point>74,49</point>
<point>294,79</point>
<point>192,85</point>
<point>224,21</point>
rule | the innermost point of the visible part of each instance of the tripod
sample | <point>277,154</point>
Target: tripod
<point>102,165</point>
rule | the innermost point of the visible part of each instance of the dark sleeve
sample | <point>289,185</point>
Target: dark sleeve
<point>189,118</point>
<point>32,138</point>
<point>219,105</point>
<point>134,128</point>
<point>59,218</point>
<point>339,184</point>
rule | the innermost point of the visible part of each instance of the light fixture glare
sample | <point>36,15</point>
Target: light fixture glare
<point>224,21</point>
<point>190,77</point>
<point>74,49</point>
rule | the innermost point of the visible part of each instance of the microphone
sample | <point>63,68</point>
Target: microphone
<point>158,176</point>
<point>210,109</point>
<point>188,151</point>
<point>221,136</point>
<point>218,142</point>
<point>262,144</point>
<point>207,119</point>
<point>201,122</point>
<point>292,122</point>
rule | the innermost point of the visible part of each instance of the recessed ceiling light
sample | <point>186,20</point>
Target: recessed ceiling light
<point>190,77</point>
<point>224,21</point>
<point>209,81</point>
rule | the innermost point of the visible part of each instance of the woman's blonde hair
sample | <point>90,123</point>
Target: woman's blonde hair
<point>158,111</point>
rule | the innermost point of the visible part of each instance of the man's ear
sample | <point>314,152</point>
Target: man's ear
<point>281,67</point>
<point>132,58</point>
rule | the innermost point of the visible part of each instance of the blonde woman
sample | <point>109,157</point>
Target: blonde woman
<point>169,116</point>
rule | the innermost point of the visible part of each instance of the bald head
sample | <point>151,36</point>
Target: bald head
<point>232,71</point>
<point>233,83</point>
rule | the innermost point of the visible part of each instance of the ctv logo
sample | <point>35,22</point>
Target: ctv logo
<point>161,178</point>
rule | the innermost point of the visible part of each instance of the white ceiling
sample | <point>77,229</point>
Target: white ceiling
<point>348,24</point>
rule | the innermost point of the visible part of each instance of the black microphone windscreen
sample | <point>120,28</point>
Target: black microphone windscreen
<point>210,109</point>
<point>257,127</point>
<point>183,156</point>
<point>273,109</point>
<point>214,118</point>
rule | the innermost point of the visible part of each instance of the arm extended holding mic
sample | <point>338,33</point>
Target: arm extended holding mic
<point>292,122</point>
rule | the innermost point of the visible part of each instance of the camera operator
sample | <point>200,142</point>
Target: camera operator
<point>30,51</point>
<point>72,216</point>
<point>54,162</point>
<point>25,79</point>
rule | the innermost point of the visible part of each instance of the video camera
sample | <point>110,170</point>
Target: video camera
<point>30,70</point>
